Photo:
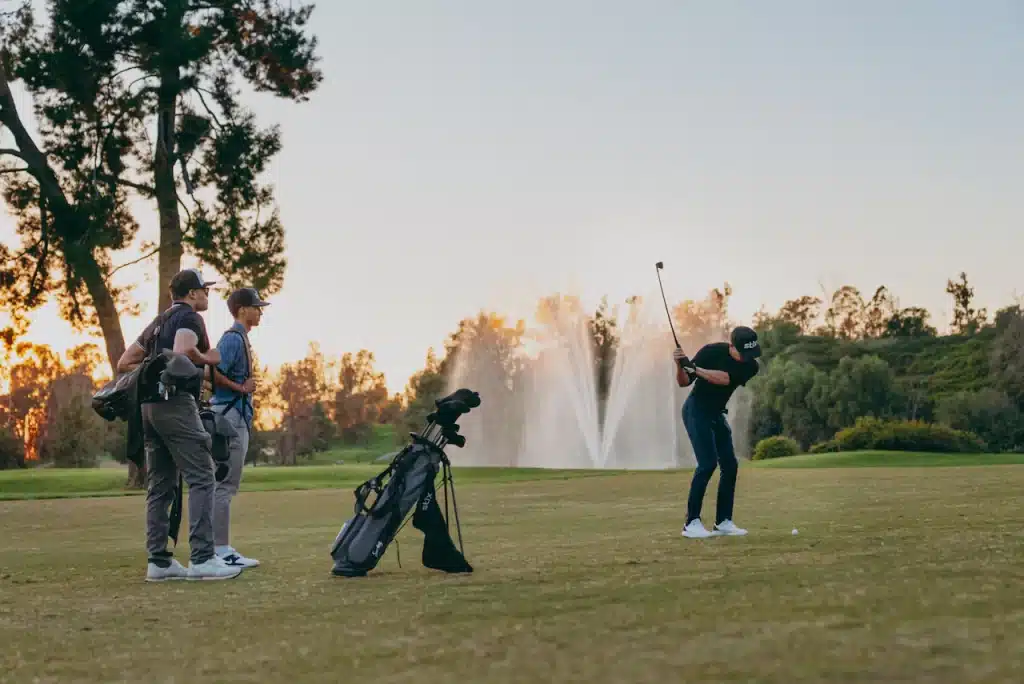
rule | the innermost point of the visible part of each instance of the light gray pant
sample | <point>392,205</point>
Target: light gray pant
<point>228,487</point>
<point>175,439</point>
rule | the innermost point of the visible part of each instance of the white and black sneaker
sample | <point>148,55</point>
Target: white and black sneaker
<point>174,571</point>
<point>234,559</point>
<point>727,528</point>
<point>212,569</point>
<point>695,530</point>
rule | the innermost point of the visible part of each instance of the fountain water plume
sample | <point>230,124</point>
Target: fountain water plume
<point>540,393</point>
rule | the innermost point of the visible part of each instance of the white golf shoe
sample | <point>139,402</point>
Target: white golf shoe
<point>174,571</point>
<point>695,530</point>
<point>728,528</point>
<point>234,559</point>
<point>213,569</point>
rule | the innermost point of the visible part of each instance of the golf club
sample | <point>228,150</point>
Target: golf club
<point>657,269</point>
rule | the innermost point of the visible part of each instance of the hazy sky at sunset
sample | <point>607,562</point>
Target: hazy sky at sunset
<point>466,154</point>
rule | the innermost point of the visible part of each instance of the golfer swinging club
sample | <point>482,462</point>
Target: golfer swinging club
<point>715,372</point>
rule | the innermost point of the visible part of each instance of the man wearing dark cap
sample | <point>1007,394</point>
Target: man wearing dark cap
<point>715,372</point>
<point>232,398</point>
<point>175,438</point>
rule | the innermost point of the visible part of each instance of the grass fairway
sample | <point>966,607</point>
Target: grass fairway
<point>897,575</point>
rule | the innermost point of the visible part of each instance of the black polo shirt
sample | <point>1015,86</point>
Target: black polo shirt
<point>179,315</point>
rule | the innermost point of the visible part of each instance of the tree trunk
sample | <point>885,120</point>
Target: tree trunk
<point>166,193</point>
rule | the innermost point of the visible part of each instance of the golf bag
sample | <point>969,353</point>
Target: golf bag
<point>407,483</point>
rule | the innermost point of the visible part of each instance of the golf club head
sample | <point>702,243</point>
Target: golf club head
<point>457,441</point>
<point>660,265</point>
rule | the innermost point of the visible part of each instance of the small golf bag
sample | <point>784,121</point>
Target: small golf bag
<point>408,483</point>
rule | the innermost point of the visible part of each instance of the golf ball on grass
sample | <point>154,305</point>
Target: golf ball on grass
<point>795,532</point>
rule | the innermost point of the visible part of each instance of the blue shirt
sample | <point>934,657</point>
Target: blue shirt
<point>234,366</point>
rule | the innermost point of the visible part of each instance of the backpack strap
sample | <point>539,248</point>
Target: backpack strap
<point>248,372</point>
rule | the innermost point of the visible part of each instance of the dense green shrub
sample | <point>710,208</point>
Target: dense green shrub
<point>74,436</point>
<point>989,413</point>
<point>12,450</point>
<point>906,435</point>
<point>779,446</point>
<point>826,447</point>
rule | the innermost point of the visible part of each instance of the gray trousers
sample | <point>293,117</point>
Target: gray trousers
<point>176,440</point>
<point>228,487</point>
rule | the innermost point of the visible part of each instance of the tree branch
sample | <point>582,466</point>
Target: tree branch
<point>43,228</point>
<point>141,187</point>
<point>199,92</point>
<point>142,258</point>
<point>12,153</point>
<point>3,171</point>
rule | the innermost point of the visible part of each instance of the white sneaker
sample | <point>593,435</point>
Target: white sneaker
<point>234,559</point>
<point>174,571</point>
<point>696,530</point>
<point>728,528</point>
<point>213,569</point>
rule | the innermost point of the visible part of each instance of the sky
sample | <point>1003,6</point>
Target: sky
<point>468,155</point>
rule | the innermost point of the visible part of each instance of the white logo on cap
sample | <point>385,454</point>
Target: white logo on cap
<point>750,345</point>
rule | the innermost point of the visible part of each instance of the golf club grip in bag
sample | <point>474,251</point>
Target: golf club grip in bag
<point>364,538</point>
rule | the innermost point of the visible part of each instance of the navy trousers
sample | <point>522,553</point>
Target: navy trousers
<point>711,438</point>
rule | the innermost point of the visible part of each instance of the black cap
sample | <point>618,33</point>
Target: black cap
<point>745,341</point>
<point>190,279</point>
<point>246,296</point>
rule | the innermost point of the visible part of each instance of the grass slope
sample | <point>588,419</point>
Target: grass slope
<point>897,575</point>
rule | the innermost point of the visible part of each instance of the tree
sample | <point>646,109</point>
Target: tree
<point>605,335</point>
<point>423,388</point>
<point>1006,362</point>
<point>304,390</point>
<point>31,380</point>
<point>989,413</point>
<point>877,313</point>
<point>72,435</point>
<point>801,312</point>
<point>844,315</point>
<point>966,319</point>
<point>909,322</point>
<point>857,387</point>
<point>360,396</point>
<point>781,394</point>
<point>68,223</point>
<point>700,322</point>
<point>107,78</point>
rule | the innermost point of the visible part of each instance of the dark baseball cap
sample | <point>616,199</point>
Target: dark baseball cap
<point>745,341</point>
<point>246,296</point>
<point>190,279</point>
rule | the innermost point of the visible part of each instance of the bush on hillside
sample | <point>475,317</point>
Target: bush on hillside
<point>906,435</point>
<point>12,450</point>
<point>827,447</point>
<point>779,446</point>
<point>989,413</point>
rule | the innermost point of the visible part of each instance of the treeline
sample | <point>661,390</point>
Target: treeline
<point>873,359</point>
<point>827,363</point>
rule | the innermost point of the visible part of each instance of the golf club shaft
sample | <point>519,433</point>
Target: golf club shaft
<point>667,312</point>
